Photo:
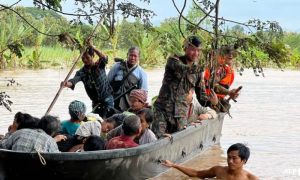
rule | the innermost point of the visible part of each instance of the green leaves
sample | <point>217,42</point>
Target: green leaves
<point>16,48</point>
<point>55,4</point>
<point>34,60</point>
<point>149,44</point>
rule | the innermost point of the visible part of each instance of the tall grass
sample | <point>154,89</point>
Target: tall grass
<point>50,56</point>
<point>58,57</point>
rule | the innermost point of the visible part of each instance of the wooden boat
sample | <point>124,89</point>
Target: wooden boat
<point>126,164</point>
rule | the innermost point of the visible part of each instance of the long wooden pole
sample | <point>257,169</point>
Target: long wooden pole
<point>73,67</point>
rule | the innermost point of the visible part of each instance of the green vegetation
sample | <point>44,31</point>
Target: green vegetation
<point>23,47</point>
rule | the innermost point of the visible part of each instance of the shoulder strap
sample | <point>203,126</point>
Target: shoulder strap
<point>127,75</point>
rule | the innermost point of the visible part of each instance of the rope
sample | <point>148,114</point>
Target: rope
<point>42,159</point>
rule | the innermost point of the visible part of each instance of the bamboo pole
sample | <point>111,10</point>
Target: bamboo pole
<point>73,67</point>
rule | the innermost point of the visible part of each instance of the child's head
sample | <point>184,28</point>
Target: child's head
<point>132,125</point>
<point>94,143</point>
<point>50,124</point>
<point>146,117</point>
<point>138,99</point>
<point>112,122</point>
<point>76,108</point>
<point>226,55</point>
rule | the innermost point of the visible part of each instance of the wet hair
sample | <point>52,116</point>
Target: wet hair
<point>25,120</point>
<point>94,143</point>
<point>116,119</point>
<point>50,124</point>
<point>134,48</point>
<point>148,115</point>
<point>244,151</point>
<point>131,125</point>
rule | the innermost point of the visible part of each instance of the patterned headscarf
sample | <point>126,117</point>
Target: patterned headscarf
<point>140,94</point>
<point>76,107</point>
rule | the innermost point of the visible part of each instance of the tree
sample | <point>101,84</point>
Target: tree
<point>12,32</point>
<point>106,9</point>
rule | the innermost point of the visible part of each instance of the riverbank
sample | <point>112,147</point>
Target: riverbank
<point>57,57</point>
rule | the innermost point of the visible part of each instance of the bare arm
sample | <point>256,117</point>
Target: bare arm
<point>72,82</point>
<point>99,53</point>
<point>190,171</point>
<point>103,59</point>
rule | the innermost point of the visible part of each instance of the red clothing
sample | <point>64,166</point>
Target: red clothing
<point>121,142</point>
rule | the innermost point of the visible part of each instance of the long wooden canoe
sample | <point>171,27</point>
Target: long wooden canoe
<point>121,164</point>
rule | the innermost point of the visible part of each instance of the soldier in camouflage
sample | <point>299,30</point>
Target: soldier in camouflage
<point>181,74</point>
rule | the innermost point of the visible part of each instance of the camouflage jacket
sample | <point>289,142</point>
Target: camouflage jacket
<point>178,79</point>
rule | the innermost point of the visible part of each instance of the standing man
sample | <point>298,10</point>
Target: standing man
<point>95,81</point>
<point>237,156</point>
<point>182,73</point>
<point>125,76</point>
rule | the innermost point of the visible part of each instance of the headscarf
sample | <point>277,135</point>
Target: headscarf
<point>139,94</point>
<point>76,107</point>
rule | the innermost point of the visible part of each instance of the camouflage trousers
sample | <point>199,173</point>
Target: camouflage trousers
<point>166,123</point>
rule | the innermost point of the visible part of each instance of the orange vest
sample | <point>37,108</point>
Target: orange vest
<point>226,75</point>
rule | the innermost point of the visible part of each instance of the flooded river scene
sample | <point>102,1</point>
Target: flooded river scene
<point>66,67</point>
<point>266,117</point>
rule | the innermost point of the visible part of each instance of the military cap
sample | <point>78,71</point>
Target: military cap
<point>194,41</point>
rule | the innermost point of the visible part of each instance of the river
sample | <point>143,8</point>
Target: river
<point>266,116</point>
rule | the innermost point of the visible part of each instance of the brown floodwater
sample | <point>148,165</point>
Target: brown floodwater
<point>266,117</point>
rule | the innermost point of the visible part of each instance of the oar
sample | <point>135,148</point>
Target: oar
<point>73,67</point>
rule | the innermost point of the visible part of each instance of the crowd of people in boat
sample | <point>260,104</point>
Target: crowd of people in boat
<point>121,115</point>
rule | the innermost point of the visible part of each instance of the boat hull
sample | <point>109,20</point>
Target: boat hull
<point>135,163</point>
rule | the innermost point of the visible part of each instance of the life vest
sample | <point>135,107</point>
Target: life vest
<point>226,75</point>
<point>229,77</point>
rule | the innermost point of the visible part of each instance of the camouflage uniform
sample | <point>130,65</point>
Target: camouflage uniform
<point>170,108</point>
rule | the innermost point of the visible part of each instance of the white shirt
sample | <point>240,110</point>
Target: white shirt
<point>89,128</point>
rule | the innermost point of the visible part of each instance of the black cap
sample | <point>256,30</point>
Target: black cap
<point>194,40</point>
